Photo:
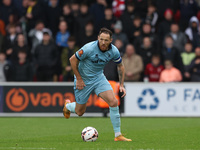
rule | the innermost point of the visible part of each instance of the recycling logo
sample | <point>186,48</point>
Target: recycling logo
<point>148,100</point>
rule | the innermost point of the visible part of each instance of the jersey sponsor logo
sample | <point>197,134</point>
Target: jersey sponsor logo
<point>80,53</point>
<point>99,61</point>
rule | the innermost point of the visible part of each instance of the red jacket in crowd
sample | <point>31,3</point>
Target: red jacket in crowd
<point>153,72</point>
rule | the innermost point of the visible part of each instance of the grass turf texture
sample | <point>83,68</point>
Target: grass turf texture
<point>63,134</point>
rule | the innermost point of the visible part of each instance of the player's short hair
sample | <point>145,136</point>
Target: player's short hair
<point>106,31</point>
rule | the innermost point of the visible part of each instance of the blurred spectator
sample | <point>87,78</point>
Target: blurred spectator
<point>162,5</point>
<point>62,35</point>
<point>141,7</point>
<point>170,73</point>
<point>2,27</point>
<point>179,38</point>
<point>68,17</point>
<point>188,55</point>
<point>52,14</point>
<point>136,25</point>
<point>10,40</point>
<point>2,33</point>
<point>109,20</point>
<point>118,6</point>
<point>135,30</point>
<point>20,45</point>
<point>22,67</point>
<point>133,64</point>
<point>152,16</point>
<point>146,32</point>
<point>120,46</point>
<point>193,71</point>
<point>36,35</point>
<point>75,8</point>
<point>198,3</point>
<point>1,42</point>
<point>188,8</point>
<point>169,52</point>
<point>13,20</point>
<point>67,52</point>
<point>164,26</point>
<point>154,69</point>
<point>193,31</point>
<point>146,50</point>
<point>88,36</point>
<point>127,17</point>
<point>5,69</point>
<point>33,14</point>
<point>83,18</point>
<point>6,9</point>
<point>46,56</point>
<point>118,34</point>
<point>17,5</point>
<point>97,10</point>
<point>21,7</point>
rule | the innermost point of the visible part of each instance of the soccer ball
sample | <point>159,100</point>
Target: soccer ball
<point>89,134</point>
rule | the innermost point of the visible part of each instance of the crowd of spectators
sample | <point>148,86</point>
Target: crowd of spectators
<point>159,40</point>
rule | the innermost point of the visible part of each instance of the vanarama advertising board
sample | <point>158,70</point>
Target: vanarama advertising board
<point>43,97</point>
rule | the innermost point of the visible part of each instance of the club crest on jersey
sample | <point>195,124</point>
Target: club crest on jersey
<point>80,53</point>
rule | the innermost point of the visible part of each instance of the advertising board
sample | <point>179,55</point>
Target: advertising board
<point>156,99</point>
<point>39,98</point>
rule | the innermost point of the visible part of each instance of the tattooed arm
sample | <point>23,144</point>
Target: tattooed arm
<point>121,73</point>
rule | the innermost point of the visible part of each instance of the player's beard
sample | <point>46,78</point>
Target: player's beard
<point>104,47</point>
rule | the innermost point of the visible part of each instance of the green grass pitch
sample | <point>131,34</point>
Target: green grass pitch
<point>65,134</point>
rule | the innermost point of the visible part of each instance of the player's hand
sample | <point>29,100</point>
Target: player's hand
<point>80,84</point>
<point>122,90</point>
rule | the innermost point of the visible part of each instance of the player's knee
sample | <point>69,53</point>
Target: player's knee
<point>113,103</point>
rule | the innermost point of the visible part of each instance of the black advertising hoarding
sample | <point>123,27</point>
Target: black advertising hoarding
<point>39,98</point>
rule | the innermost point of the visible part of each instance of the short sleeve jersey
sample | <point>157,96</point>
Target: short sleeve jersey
<point>92,60</point>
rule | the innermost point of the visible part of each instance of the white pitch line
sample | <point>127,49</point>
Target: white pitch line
<point>16,148</point>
